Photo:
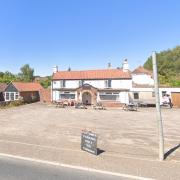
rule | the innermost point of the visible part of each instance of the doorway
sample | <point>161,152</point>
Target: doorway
<point>86,98</point>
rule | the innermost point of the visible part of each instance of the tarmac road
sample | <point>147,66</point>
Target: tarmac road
<point>13,169</point>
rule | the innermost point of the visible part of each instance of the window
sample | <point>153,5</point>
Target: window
<point>163,93</point>
<point>81,82</point>
<point>109,96</point>
<point>66,95</point>
<point>63,83</point>
<point>136,95</point>
<point>54,82</point>
<point>107,83</point>
<point>12,96</point>
<point>16,96</point>
<point>7,96</point>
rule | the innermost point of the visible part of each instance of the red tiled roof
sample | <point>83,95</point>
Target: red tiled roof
<point>23,86</point>
<point>3,87</point>
<point>92,74</point>
<point>141,70</point>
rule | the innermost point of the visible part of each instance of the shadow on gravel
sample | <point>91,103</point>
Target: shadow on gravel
<point>100,151</point>
<point>168,153</point>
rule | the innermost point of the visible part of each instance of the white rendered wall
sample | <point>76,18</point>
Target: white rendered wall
<point>55,95</point>
<point>96,83</point>
<point>142,79</point>
<point>124,97</point>
<point>72,84</point>
<point>121,84</point>
<point>116,84</point>
<point>56,84</point>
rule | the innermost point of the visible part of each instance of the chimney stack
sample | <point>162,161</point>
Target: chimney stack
<point>55,69</point>
<point>109,65</point>
<point>125,65</point>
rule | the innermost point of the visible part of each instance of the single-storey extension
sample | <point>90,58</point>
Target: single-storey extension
<point>29,92</point>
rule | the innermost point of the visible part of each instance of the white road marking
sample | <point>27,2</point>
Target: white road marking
<point>76,150</point>
<point>76,167</point>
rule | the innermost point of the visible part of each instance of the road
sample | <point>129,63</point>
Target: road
<point>14,169</point>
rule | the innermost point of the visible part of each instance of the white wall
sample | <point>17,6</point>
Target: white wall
<point>168,91</point>
<point>121,84</point>
<point>95,83</point>
<point>69,84</point>
<point>55,96</point>
<point>124,97</point>
<point>72,84</point>
<point>142,79</point>
<point>117,84</point>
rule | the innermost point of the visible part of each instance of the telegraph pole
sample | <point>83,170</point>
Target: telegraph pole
<point>158,108</point>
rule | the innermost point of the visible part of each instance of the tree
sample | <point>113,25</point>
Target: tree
<point>27,73</point>
<point>46,83</point>
<point>1,74</point>
<point>168,66</point>
<point>7,77</point>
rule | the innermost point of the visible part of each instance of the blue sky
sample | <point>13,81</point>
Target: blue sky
<point>84,34</point>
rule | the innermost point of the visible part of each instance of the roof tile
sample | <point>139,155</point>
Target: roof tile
<point>141,70</point>
<point>29,86</point>
<point>2,86</point>
<point>92,74</point>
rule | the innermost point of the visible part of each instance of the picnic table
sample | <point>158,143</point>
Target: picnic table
<point>130,107</point>
<point>98,106</point>
<point>60,104</point>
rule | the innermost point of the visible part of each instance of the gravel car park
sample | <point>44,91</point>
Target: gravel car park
<point>125,133</point>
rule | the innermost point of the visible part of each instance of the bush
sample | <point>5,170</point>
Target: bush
<point>11,104</point>
<point>16,103</point>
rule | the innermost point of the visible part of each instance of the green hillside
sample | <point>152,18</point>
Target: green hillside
<point>168,66</point>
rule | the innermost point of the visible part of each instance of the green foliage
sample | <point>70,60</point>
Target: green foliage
<point>27,73</point>
<point>168,66</point>
<point>7,77</point>
<point>46,83</point>
<point>16,103</point>
<point>11,104</point>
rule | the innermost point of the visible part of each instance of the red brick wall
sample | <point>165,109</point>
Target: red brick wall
<point>111,104</point>
<point>29,96</point>
<point>45,95</point>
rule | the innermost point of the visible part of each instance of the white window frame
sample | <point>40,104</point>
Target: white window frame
<point>16,94</point>
<point>110,94</point>
<point>67,93</point>
<point>10,95</point>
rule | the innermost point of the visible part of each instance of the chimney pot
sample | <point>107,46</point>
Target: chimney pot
<point>125,65</point>
<point>55,69</point>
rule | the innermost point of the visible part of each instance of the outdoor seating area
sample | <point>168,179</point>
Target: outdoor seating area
<point>130,107</point>
<point>99,106</point>
<point>64,103</point>
<point>80,106</point>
